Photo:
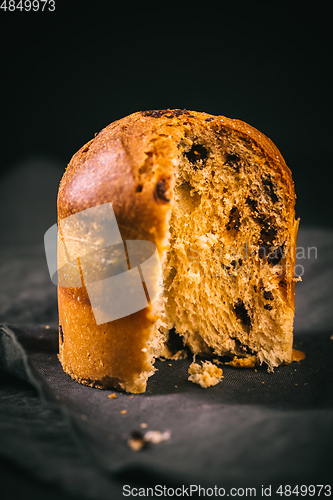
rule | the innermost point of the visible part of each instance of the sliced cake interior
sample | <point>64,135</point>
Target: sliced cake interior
<point>227,273</point>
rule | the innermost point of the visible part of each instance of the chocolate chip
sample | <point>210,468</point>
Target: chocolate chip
<point>268,295</point>
<point>234,220</point>
<point>197,153</point>
<point>233,263</point>
<point>180,112</point>
<point>155,113</point>
<point>242,314</point>
<point>209,119</point>
<point>268,232</point>
<point>139,188</point>
<point>233,161</point>
<point>269,187</point>
<point>251,203</point>
<point>240,262</point>
<point>169,113</point>
<point>61,333</point>
<point>160,191</point>
<point>267,236</point>
<point>268,307</point>
<point>255,288</point>
<point>276,255</point>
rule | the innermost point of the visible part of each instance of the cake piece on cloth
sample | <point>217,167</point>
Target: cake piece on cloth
<point>177,231</point>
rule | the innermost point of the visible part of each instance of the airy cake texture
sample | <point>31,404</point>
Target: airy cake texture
<point>217,199</point>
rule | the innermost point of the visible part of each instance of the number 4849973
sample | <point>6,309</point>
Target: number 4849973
<point>309,491</point>
<point>26,5</point>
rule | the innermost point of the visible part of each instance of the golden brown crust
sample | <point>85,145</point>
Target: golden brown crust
<point>106,355</point>
<point>117,166</point>
<point>88,180</point>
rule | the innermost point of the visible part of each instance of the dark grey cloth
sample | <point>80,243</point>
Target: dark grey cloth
<point>59,439</point>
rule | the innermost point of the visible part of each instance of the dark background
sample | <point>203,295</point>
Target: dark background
<point>67,74</point>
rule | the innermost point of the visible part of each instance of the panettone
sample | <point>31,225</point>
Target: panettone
<point>217,199</point>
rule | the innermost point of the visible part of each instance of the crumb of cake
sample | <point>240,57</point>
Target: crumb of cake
<point>206,375</point>
<point>136,441</point>
<point>47,327</point>
<point>114,395</point>
<point>143,425</point>
<point>331,337</point>
<point>157,437</point>
<point>297,355</point>
<point>123,412</point>
<point>131,397</point>
<point>249,362</point>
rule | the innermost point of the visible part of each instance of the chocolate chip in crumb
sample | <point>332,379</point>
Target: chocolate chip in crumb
<point>251,203</point>
<point>197,153</point>
<point>243,315</point>
<point>268,233</point>
<point>269,187</point>
<point>268,307</point>
<point>234,220</point>
<point>139,188</point>
<point>233,161</point>
<point>276,255</point>
<point>268,295</point>
<point>169,113</point>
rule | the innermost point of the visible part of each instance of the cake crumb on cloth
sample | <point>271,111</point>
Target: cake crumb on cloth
<point>206,375</point>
